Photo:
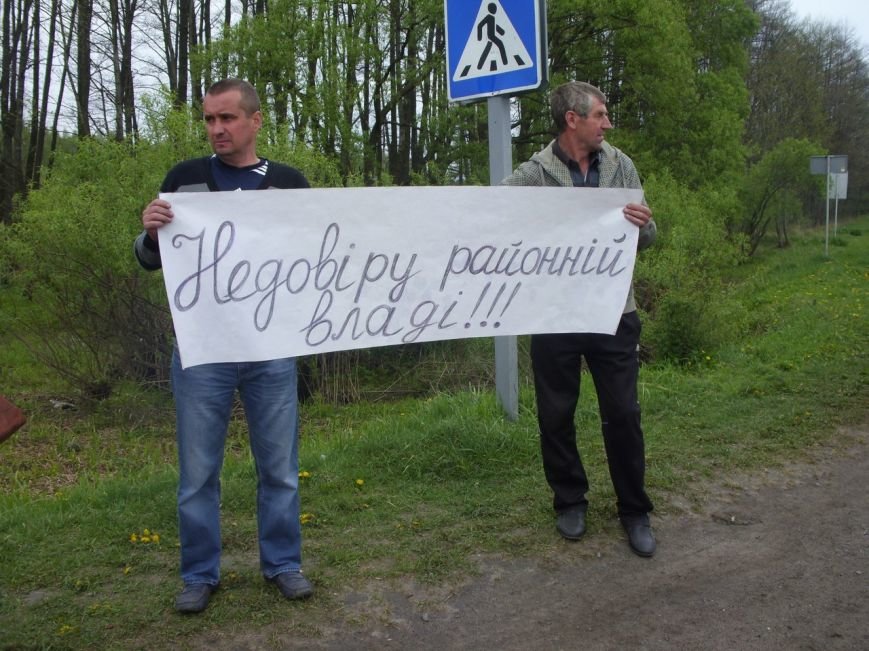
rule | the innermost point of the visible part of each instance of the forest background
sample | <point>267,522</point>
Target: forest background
<point>720,104</point>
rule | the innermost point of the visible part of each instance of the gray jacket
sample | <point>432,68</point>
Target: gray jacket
<point>616,171</point>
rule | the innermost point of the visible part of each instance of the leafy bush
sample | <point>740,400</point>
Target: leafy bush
<point>90,315</point>
<point>678,279</point>
<point>777,188</point>
<point>687,325</point>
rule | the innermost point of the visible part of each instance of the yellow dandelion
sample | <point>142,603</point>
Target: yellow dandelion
<point>360,482</point>
<point>134,538</point>
<point>155,537</point>
<point>145,540</point>
<point>146,532</point>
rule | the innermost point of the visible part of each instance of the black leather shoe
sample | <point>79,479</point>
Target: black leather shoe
<point>640,538</point>
<point>194,597</point>
<point>293,585</point>
<point>570,523</point>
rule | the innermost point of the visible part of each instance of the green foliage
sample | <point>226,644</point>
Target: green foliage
<point>320,170</point>
<point>777,188</point>
<point>686,323</point>
<point>677,278</point>
<point>87,313</point>
<point>179,131</point>
<point>673,74</point>
<point>706,131</point>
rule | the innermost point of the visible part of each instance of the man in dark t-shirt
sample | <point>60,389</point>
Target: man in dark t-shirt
<point>204,394</point>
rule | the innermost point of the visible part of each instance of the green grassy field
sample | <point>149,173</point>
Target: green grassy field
<point>412,487</point>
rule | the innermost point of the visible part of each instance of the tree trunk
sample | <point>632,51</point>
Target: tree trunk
<point>170,51</point>
<point>83,66</point>
<point>39,150</point>
<point>185,15</point>
<point>16,55</point>
<point>128,98</point>
<point>67,49</point>
<point>34,100</point>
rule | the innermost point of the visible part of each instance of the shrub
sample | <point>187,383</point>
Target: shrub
<point>678,279</point>
<point>685,327</point>
<point>777,189</point>
<point>90,315</point>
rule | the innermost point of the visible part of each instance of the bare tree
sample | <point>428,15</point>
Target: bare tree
<point>17,33</point>
<point>82,85</point>
<point>123,13</point>
<point>40,116</point>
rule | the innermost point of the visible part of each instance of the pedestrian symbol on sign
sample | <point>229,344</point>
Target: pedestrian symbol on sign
<point>493,47</point>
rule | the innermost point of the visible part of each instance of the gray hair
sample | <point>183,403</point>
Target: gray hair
<point>576,96</point>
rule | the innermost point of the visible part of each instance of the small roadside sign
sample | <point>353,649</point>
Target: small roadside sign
<point>836,170</point>
<point>828,164</point>
<point>494,47</point>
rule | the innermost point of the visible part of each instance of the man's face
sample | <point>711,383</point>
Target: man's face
<point>589,132</point>
<point>231,131</point>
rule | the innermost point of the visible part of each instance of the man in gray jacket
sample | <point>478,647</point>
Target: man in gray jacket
<point>580,157</point>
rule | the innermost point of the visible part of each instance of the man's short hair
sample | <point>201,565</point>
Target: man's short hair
<point>249,98</point>
<point>576,96</point>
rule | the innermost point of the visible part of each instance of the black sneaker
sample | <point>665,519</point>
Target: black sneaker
<point>194,597</point>
<point>570,523</point>
<point>293,585</point>
<point>640,538</point>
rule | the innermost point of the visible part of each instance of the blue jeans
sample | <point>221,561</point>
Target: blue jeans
<point>204,398</point>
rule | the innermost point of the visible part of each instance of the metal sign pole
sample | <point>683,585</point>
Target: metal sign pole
<point>825,164</point>
<point>827,222</point>
<point>500,166</point>
<point>494,50</point>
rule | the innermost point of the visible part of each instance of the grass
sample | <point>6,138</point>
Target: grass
<point>415,487</point>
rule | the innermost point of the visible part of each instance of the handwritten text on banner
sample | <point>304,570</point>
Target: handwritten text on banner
<point>260,275</point>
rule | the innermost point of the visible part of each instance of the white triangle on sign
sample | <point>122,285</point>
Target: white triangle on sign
<point>493,46</point>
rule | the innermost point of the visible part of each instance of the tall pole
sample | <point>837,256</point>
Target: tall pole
<point>500,166</point>
<point>827,202</point>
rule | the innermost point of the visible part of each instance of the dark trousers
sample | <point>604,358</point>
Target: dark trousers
<point>614,364</point>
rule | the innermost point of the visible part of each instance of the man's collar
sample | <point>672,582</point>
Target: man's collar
<point>593,157</point>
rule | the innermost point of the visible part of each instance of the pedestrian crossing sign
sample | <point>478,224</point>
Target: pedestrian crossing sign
<point>494,47</point>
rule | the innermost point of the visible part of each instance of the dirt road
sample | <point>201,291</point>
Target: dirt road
<point>776,560</point>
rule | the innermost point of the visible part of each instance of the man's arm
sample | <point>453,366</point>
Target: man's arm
<point>157,214</point>
<point>147,252</point>
<point>640,215</point>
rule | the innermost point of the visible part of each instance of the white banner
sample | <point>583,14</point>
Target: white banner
<point>252,276</point>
